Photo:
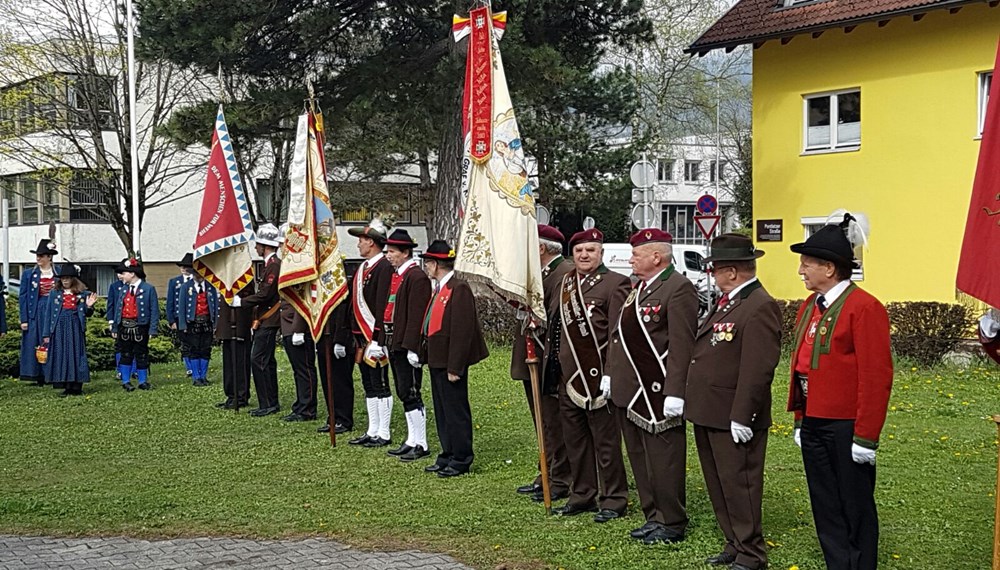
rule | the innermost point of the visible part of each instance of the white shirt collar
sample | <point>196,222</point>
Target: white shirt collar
<point>402,268</point>
<point>373,260</point>
<point>732,294</point>
<point>657,276</point>
<point>136,284</point>
<point>445,279</point>
<point>269,256</point>
<point>835,291</point>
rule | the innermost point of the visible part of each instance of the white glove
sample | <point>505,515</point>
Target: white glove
<point>373,352</point>
<point>339,350</point>
<point>298,339</point>
<point>413,359</point>
<point>741,433</point>
<point>988,325</point>
<point>237,302</point>
<point>673,407</point>
<point>797,437</point>
<point>862,454</point>
<point>606,386</point>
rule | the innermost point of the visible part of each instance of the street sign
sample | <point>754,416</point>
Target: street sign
<point>638,195</point>
<point>708,205</point>
<point>642,173</point>
<point>589,223</point>
<point>707,224</point>
<point>643,216</point>
<point>542,215</point>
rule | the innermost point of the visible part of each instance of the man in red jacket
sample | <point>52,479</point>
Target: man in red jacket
<point>841,379</point>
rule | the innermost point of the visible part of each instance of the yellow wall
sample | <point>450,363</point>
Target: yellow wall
<point>913,174</point>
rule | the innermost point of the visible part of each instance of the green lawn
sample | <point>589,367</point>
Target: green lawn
<point>167,463</point>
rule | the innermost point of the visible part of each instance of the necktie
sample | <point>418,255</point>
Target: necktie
<point>724,300</point>
<point>642,286</point>
<point>821,303</point>
<point>132,288</point>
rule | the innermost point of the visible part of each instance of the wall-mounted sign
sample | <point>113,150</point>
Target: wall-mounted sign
<point>769,230</point>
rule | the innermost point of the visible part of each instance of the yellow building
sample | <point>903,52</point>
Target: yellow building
<point>874,109</point>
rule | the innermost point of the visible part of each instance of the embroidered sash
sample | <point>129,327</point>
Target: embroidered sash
<point>583,386</point>
<point>645,409</point>
<point>365,318</point>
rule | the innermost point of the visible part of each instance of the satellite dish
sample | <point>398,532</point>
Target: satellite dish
<point>542,214</point>
<point>589,223</point>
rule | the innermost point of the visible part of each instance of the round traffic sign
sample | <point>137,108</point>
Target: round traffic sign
<point>642,173</point>
<point>643,216</point>
<point>707,205</point>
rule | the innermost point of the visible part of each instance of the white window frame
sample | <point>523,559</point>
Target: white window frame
<point>811,223</point>
<point>983,78</point>
<point>832,145</point>
<point>665,165</point>
<point>697,171</point>
<point>721,166</point>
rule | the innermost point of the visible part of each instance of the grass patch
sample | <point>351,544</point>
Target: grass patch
<point>167,463</point>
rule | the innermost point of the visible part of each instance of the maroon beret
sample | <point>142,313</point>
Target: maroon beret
<point>586,236</point>
<point>650,235</point>
<point>550,233</point>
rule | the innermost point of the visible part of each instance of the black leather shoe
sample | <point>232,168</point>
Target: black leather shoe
<point>434,468</point>
<point>641,532</point>
<point>128,387</point>
<point>418,452</point>
<point>403,449</point>
<point>721,559</point>
<point>338,429</point>
<point>376,442</point>
<point>449,471</point>
<point>605,515</point>
<point>539,497</point>
<point>529,489</point>
<point>662,535</point>
<point>145,386</point>
<point>293,417</point>
<point>325,428</point>
<point>261,412</point>
<point>365,438</point>
<point>224,405</point>
<point>570,510</point>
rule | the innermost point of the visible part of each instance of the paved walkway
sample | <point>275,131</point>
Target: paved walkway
<point>23,552</point>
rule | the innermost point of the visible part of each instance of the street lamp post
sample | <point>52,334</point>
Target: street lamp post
<point>133,136</point>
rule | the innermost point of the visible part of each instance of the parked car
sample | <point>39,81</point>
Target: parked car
<point>689,260</point>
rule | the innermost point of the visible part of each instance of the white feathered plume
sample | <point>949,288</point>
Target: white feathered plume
<point>855,226</point>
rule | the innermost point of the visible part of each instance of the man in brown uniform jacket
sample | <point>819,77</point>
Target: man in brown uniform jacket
<point>729,398</point>
<point>267,322</point>
<point>588,296</point>
<point>409,294</point>
<point>554,267</point>
<point>301,352</point>
<point>452,342</point>
<point>233,329</point>
<point>647,368</point>
<point>338,340</point>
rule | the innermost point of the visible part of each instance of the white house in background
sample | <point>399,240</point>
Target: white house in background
<point>686,170</point>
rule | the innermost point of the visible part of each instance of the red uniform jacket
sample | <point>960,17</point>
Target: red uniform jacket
<point>851,372</point>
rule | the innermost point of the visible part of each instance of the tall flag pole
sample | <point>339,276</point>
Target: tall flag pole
<point>498,245</point>
<point>981,245</point>
<point>312,277</point>
<point>222,244</point>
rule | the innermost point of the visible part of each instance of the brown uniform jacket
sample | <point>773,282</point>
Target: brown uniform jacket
<point>266,296</point>
<point>459,343</point>
<point>412,297</point>
<point>234,323</point>
<point>291,321</point>
<point>644,369</point>
<point>376,294</point>
<point>552,275</point>
<point>730,380</point>
<point>604,294</point>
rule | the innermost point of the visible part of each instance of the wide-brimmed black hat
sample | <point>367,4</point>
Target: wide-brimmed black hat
<point>401,238</point>
<point>69,270</point>
<point>133,265</point>
<point>186,261</point>
<point>45,247</point>
<point>439,250</point>
<point>375,234</point>
<point>732,247</point>
<point>120,268</point>
<point>829,243</point>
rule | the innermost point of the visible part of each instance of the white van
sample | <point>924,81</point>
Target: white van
<point>688,259</point>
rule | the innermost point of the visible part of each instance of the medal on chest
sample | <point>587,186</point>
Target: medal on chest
<point>722,332</point>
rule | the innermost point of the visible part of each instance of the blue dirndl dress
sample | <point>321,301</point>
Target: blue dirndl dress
<point>68,342</point>
<point>36,311</point>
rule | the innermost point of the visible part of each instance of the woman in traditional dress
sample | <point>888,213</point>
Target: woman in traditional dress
<point>33,306</point>
<point>70,306</point>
